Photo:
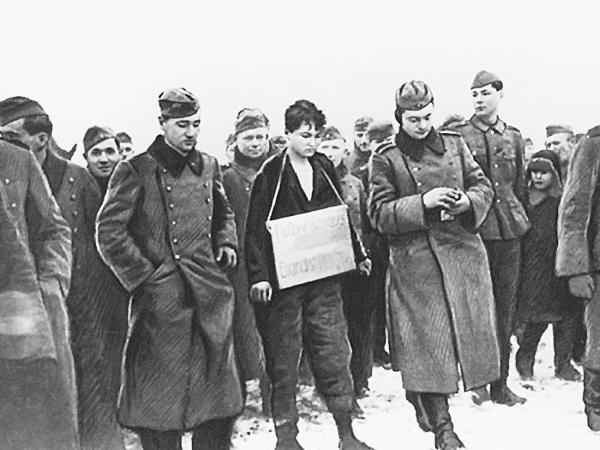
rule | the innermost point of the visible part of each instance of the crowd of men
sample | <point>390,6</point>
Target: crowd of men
<point>162,259</point>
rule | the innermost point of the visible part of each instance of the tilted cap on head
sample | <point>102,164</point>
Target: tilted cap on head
<point>483,78</point>
<point>250,118</point>
<point>555,129</point>
<point>123,137</point>
<point>330,134</point>
<point>178,102</point>
<point>15,108</point>
<point>97,134</point>
<point>413,95</point>
<point>380,130</point>
<point>362,123</point>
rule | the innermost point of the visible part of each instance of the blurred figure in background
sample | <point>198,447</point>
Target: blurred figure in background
<point>125,144</point>
<point>278,144</point>
<point>560,139</point>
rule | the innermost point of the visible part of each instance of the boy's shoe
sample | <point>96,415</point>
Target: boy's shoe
<point>568,373</point>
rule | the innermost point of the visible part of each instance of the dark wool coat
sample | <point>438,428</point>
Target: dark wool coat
<point>290,201</point>
<point>97,305</point>
<point>162,219</point>
<point>578,250</point>
<point>498,149</point>
<point>38,408</point>
<point>542,297</point>
<point>440,302</point>
<point>237,181</point>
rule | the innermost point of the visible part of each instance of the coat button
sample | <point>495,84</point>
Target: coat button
<point>498,201</point>
<point>497,184</point>
<point>13,205</point>
<point>6,181</point>
<point>164,170</point>
<point>177,257</point>
<point>175,241</point>
<point>415,169</point>
<point>208,235</point>
<point>208,218</point>
<point>75,213</point>
<point>169,188</point>
<point>75,230</point>
<point>208,200</point>
<point>171,206</point>
<point>206,184</point>
<point>73,197</point>
<point>247,188</point>
<point>71,180</point>
<point>174,223</point>
<point>419,184</point>
<point>496,166</point>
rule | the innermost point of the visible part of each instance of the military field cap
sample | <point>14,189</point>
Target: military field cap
<point>15,108</point>
<point>483,78</point>
<point>380,130</point>
<point>250,118</point>
<point>555,129</point>
<point>95,135</point>
<point>123,137</point>
<point>413,95</point>
<point>362,123</point>
<point>330,134</point>
<point>178,102</point>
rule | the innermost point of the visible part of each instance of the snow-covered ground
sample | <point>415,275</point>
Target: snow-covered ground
<point>552,418</point>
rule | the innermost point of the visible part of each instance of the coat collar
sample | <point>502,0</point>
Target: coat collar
<point>54,168</point>
<point>415,148</point>
<point>173,161</point>
<point>499,127</point>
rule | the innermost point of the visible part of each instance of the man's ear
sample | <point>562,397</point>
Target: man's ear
<point>43,138</point>
<point>161,120</point>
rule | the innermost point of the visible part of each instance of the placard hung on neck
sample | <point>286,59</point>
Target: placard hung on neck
<point>311,246</point>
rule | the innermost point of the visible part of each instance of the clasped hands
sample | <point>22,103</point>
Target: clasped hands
<point>453,201</point>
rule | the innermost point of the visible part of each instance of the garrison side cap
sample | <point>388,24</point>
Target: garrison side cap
<point>15,108</point>
<point>483,78</point>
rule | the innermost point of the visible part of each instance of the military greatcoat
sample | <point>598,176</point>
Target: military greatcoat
<point>440,302</point>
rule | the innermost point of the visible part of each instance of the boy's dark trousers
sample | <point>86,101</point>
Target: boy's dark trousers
<point>308,316</point>
<point>380,260</point>
<point>359,309</point>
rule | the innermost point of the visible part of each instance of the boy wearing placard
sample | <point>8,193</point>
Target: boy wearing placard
<point>308,315</point>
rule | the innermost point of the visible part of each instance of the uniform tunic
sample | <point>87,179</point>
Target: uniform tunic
<point>440,303</point>
<point>97,305</point>
<point>162,219</point>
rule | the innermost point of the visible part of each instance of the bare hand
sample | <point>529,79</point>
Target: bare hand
<point>226,257</point>
<point>261,292</point>
<point>440,198</point>
<point>582,286</point>
<point>364,267</point>
<point>462,205</point>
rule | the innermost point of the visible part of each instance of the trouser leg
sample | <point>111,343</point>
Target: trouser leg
<point>213,435</point>
<point>530,338</point>
<point>504,258</point>
<point>416,400</point>
<point>326,342</point>
<point>564,332</point>
<point>579,335</point>
<point>280,326</point>
<point>378,279</point>
<point>159,440</point>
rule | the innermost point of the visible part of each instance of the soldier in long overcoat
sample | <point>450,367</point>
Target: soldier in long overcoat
<point>578,257</point>
<point>249,152</point>
<point>429,197</point>
<point>97,304</point>
<point>38,408</point>
<point>167,232</point>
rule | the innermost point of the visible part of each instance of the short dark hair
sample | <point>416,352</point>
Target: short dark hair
<point>498,85</point>
<point>40,123</point>
<point>303,111</point>
<point>123,137</point>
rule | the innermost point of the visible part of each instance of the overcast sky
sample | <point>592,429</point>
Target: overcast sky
<point>105,62</point>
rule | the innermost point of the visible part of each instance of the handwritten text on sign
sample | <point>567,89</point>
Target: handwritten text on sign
<point>311,246</point>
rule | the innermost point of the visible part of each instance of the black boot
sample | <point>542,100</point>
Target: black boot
<point>501,394</point>
<point>422,419</point>
<point>563,350</point>
<point>591,397</point>
<point>525,358</point>
<point>286,436</point>
<point>438,413</point>
<point>348,441</point>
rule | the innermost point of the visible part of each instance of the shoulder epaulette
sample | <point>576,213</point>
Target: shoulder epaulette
<point>511,128</point>
<point>594,132</point>
<point>383,148</point>
<point>449,132</point>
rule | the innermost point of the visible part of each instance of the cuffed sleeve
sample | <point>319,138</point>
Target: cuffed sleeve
<point>223,225</point>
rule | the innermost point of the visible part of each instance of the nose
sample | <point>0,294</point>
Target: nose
<point>103,157</point>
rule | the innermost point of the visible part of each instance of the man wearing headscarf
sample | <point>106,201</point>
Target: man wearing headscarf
<point>498,149</point>
<point>167,232</point>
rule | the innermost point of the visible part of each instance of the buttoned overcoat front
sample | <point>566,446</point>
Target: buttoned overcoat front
<point>440,303</point>
<point>157,229</point>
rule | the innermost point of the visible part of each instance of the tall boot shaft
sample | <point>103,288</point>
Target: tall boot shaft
<point>564,332</point>
<point>438,413</point>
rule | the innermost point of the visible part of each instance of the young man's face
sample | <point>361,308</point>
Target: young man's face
<point>562,144</point>
<point>417,124</point>
<point>486,101</point>
<point>126,150</point>
<point>14,132</point>
<point>542,179</point>
<point>334,149</point>
<point>253,143</point>
<point>361,142</point>
<point>304,140</point>
<point>182,132</point>
<point>103,157</point>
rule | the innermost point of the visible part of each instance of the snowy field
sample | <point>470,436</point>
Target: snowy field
<point>552,418</point>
